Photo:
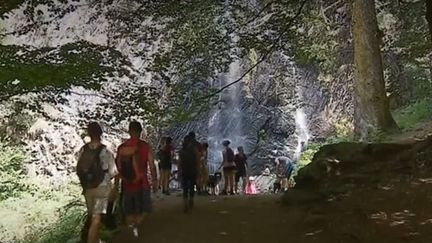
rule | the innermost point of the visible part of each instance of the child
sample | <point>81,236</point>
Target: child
<point>251,188</point>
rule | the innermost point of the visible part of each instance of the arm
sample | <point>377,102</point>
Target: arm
<point>223,160</point>
<point>152,169</point>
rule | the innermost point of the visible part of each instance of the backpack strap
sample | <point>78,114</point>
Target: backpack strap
<point>99,151</point>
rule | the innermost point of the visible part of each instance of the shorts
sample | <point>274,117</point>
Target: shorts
<point>165,166</point>
<point>137,202</point>
<point>229,171</point>
<point>240,174</point>
<point>97,199</point>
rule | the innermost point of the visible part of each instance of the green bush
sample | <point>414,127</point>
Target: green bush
<point>31,208</point>
<point>65,229</point>
<point>407,117</point>
<point>11,171</point>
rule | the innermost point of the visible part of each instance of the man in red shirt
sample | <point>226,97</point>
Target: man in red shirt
<point>136,198</point>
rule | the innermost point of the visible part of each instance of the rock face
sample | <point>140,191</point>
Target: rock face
<point>366,192</point>
<point>259,113</point>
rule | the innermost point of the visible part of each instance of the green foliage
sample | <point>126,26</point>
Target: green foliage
<point>11,171</point>
<point>32,209</point>
<point>7,5</point>
<point>81,63</point>
<point>307,155</point>
<point>67,226</point>
<point>407,117</point>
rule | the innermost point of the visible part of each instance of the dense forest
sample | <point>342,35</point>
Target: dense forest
<point>282,78</point>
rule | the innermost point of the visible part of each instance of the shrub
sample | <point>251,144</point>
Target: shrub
<point>11,171</point>
<point>407,117</point>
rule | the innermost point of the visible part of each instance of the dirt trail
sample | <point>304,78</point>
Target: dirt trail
<point>216,219</point>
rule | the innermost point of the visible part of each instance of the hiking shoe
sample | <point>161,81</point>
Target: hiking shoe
<point>135,231</point>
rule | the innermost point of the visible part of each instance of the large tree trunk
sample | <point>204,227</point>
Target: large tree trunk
<point>369,85</point>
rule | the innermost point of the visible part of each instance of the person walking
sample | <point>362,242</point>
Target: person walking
<point>166,157</point>
<point>134,158</point>
<point>188,170</point>
<point>240,160</point>
<point>95,169</point>
<point>229,168</point>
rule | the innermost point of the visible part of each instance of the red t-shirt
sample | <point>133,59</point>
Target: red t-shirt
<point>143,151</point>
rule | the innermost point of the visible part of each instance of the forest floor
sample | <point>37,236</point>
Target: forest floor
<point>373,193</point>
<point>384,216</point>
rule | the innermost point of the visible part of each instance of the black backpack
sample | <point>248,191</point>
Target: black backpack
<point>89,167</point>
<point>127,165</point>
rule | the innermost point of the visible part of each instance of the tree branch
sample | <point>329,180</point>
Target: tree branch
<point>263,57</point>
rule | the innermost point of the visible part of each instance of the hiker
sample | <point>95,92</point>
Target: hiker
<point>229,168</point>
<point>134,158</point>
<point>166,156</point>
<point>198,147</point>
<point>203,176</point>
<point>280,175</point>
<point>266,171</point>
<point>287,172</point>
<point>188,170</point>
<point>95,169</point>
<point>240,160</point>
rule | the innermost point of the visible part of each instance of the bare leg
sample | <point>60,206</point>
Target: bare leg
<point>93,236</point>
<point>227,181</point>
<point>231,181</point>
<point>244,184</point>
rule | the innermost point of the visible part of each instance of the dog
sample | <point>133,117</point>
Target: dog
<point>213,183</point>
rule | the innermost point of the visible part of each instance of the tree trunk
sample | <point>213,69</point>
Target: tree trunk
<point>429,16</point>
<point>369,85</point>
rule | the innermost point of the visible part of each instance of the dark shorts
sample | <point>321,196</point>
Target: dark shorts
<point>229,169</point>
<point>137,202</point>
<point>240,174</point>
<point>165,166</point>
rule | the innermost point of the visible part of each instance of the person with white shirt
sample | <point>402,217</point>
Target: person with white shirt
<point>96,167</point>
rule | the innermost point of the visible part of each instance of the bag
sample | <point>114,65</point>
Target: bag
<point>89,167</point>
<point>127,167</point>
<point>127,170</point>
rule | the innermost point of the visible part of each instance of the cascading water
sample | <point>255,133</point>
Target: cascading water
<point>302,132</point>
<point>226,121</point>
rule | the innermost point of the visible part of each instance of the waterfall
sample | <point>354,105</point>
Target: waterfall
<point>302,132</point>
<point>226,118</point>
<point>225,121</point>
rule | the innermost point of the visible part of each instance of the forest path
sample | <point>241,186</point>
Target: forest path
<point>216,219</point>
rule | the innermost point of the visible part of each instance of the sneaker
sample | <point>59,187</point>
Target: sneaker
<point>135,232</point>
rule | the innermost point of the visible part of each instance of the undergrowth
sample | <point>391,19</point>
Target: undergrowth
<point>407,117</point>
<point>33,209</point>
